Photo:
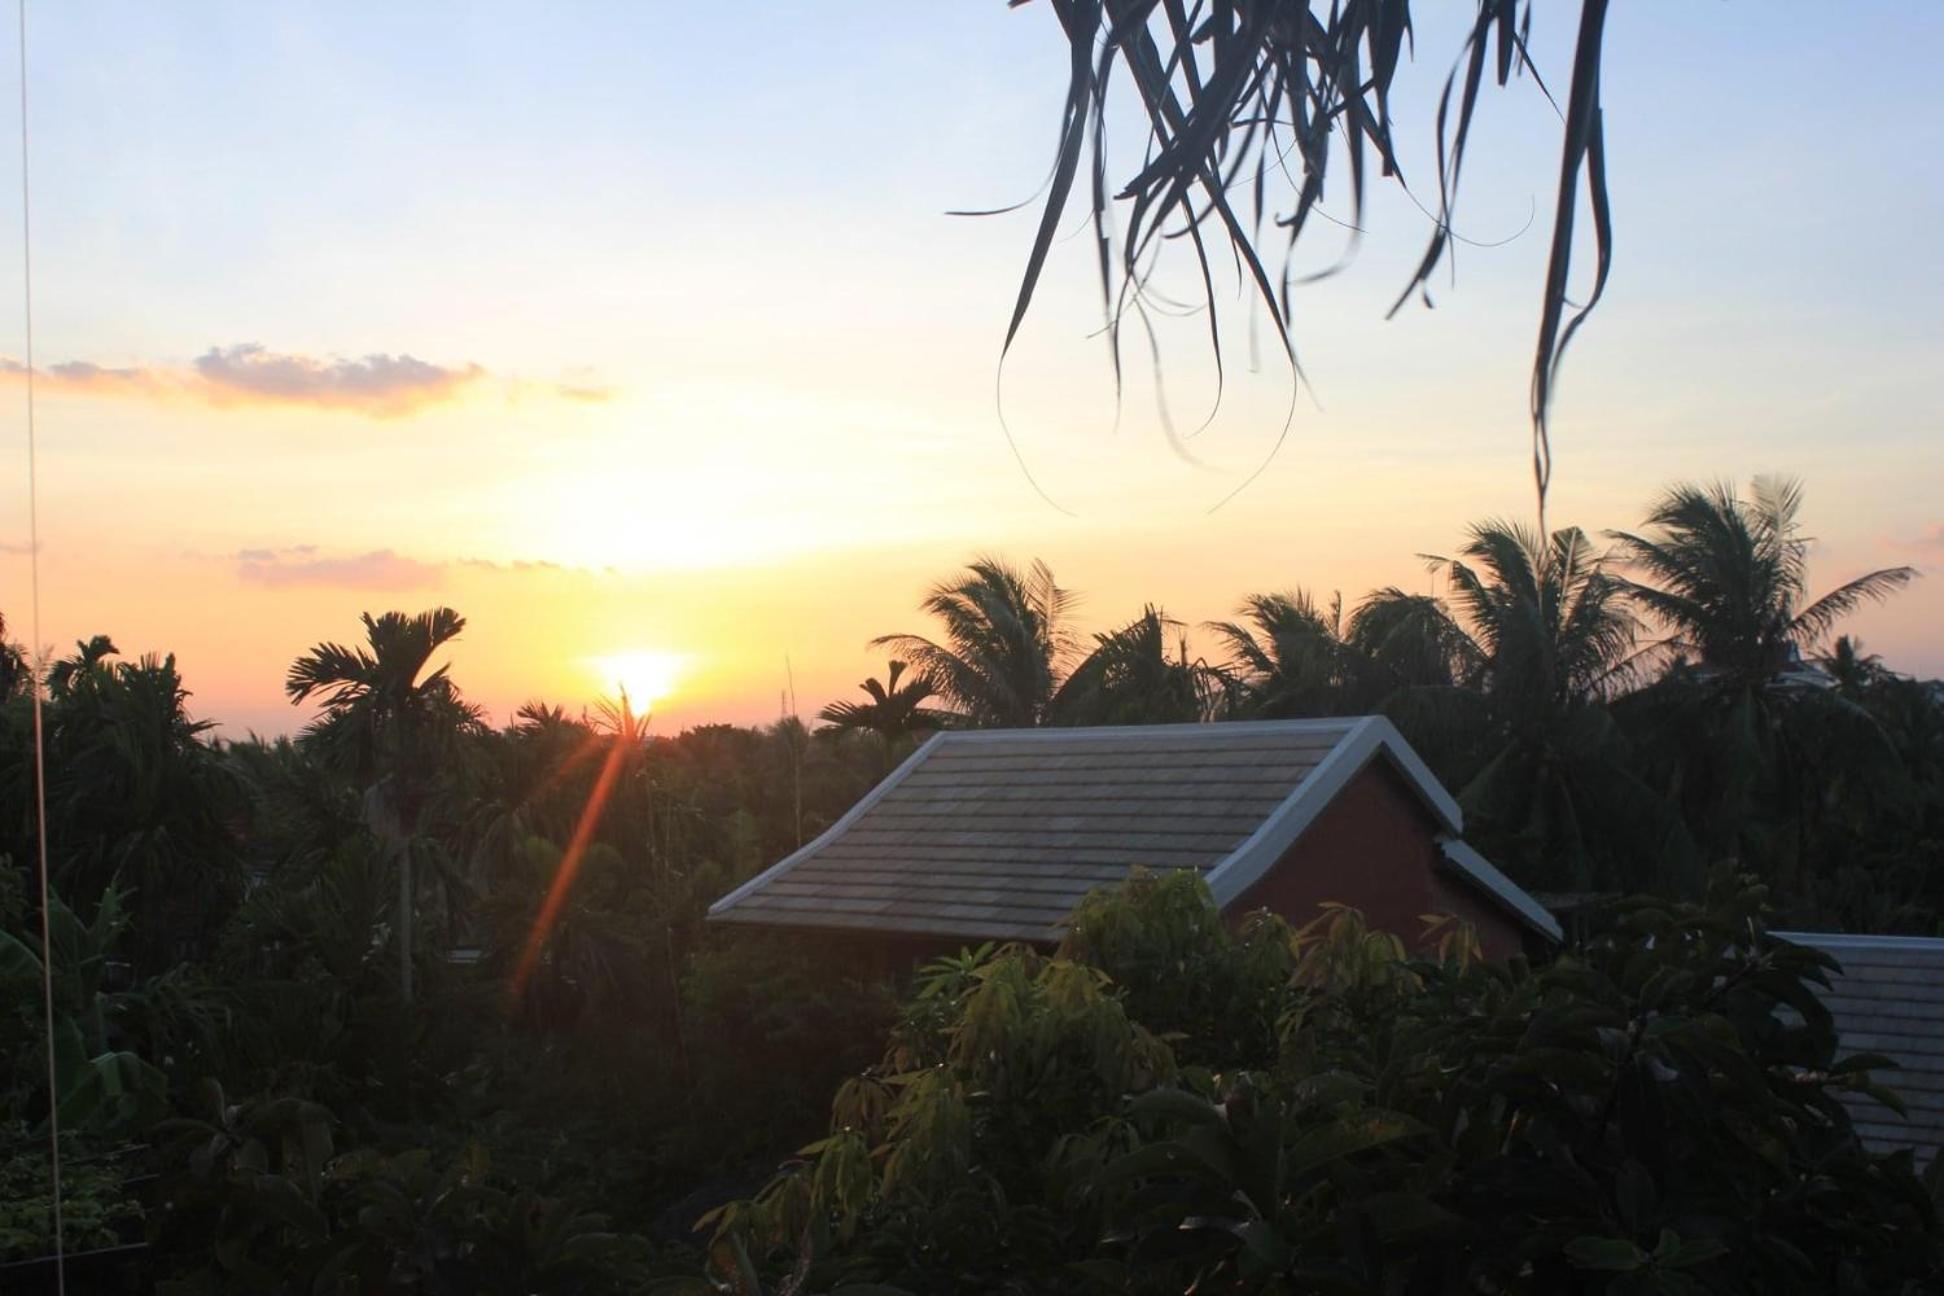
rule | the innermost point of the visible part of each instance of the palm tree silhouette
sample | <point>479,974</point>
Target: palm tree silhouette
<point>1552,639</point>
<point>895,712</point>
<point>1410,641</point>
<point>1738,724</point>
<point>1727,577</point>
<point>1004,644</point>
<point>384,723</point>
<point>1130,678</point>
<point>1289,659</point>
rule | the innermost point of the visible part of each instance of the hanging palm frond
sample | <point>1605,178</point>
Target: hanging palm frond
<point>1248,102</point>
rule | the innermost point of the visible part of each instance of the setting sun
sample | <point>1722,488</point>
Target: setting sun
<point>646,677</point>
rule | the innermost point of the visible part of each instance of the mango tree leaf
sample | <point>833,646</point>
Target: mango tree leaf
<point>1616,1255</point>
<point>1264,1245</point>
<point>284,1202</point>
<point>1400,1215</point>
<point>1176,1104</point>
<point>1344,1138</point>
<point>1327,1090</point>
<point>1675,1252</point>
<point>17,962</point>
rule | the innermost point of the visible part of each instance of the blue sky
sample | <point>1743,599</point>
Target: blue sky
<point>726,223</point>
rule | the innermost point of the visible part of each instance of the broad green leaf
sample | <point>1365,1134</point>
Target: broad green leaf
<point>1175,1104</point>
<point>1401,1215</point>
<point>1347,1137</point>
<point>1616,1255</point>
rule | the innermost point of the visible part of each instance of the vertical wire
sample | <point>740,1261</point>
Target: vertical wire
<point>34,674</point>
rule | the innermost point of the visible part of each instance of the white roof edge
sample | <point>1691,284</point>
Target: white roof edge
<point>831,833</point>
<point>1863,941</point>
<point>1367,738</point>
<point>1412,766</point>
<point>1464,859</point>
<point>1184,729</point>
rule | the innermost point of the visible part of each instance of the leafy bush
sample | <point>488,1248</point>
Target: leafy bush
<point>100,1083</point>
<point>96,1210</point>
<point>1659,1110</point>
<point>279,1209</point>
<point>1179,972</point>
<point>758,1005</point>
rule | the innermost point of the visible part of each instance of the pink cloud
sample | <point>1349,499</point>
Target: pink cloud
<point>248,374</point>
<point>379,569</point>
<point>381,386</point>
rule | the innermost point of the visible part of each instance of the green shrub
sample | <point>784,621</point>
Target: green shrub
<point>1659,1110</point>
<point>266,1203</point>
<point>769,1028</point>
<point>96,1210</point>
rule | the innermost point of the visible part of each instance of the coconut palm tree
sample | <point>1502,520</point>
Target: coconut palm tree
<point>1411,641</point>
<point>1131,678</point>
<point>1737,728</point>
<point>385,721</point>
<point>1004,643</point>
<point>1288,658</point>
<point>1727,579</point>
<point>894,713</point>
<point>1547,621</point>
<point>1553,637</point>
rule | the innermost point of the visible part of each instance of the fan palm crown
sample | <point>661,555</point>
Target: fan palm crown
<point>384,721</point>
<point>896,710</point>
<point>379,707</point>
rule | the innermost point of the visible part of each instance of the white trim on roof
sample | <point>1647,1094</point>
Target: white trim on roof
<point>1366,739</point>
<point>1468,862</point>
<point>1855,941</point>
<point>835,830</point>
<point>1191,729</point>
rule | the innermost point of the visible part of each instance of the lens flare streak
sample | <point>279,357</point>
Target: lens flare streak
<point>570,863</point>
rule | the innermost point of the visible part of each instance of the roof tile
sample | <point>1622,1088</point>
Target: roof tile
<point>1889,999</point>
<point>999,834</point>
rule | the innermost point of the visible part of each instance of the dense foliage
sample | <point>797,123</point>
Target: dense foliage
<point>241,1084</point>
<point>410,1002</point>
<point>1661,1109</point>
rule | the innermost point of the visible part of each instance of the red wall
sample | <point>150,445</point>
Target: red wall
<point>1375,849</point>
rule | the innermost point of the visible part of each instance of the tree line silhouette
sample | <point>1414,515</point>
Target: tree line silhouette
<point>328,1001</point>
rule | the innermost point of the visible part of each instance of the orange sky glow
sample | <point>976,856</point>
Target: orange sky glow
<point>656,400</point>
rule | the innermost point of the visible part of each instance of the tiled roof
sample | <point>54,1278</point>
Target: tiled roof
<point>997,834</point>
<point>1889,999</point>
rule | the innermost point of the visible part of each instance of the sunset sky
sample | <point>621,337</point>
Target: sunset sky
<point>641,329</point>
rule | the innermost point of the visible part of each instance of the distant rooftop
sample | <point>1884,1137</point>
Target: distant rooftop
<point>1889,999</point>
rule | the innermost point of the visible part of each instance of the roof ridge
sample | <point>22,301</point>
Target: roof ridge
<point>1185,729</point>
